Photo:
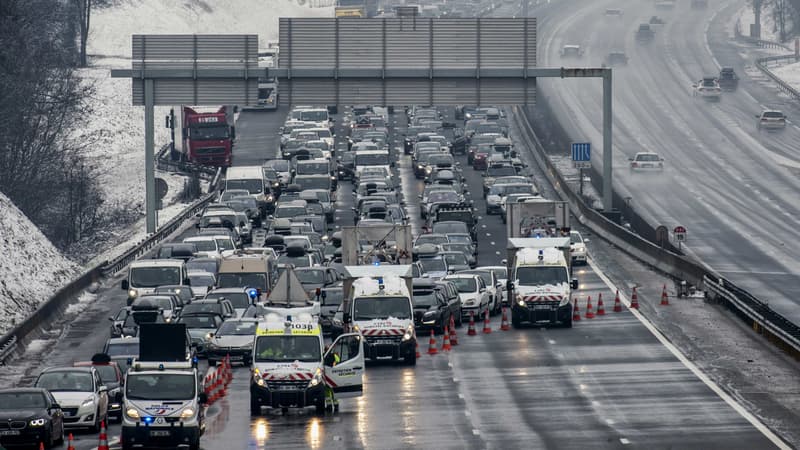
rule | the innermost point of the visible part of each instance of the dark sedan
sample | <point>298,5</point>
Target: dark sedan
<point>331,298</point>
<point>431,308</point>
<point>30,417</point>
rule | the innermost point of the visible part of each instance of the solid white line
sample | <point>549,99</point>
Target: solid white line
<point>691,366</point>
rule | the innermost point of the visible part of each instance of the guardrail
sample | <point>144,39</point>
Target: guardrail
<point>757,313</point>
<point>763,66</point>
<point>50,310</point>
<point>164,162</point>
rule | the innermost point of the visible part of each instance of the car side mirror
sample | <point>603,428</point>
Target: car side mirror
<point>102,388</point>
<point>187,281</point>
<point>55,406</point>
<point>111,318</point>
<point>482,290</point>
<point>586,240</point>
<point>346,317</point>
<point>125,285</point>
<point>510,285</point>
<point>574,284</point>
<point>118,397</point>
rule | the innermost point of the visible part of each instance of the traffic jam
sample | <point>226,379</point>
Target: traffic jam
<point>270,280</point>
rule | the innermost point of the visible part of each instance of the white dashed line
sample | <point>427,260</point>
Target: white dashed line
<point>476,432</point>
<point>550,341</point>
<point>624,441</point>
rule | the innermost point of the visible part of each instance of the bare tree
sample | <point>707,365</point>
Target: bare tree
<point>84,15</point>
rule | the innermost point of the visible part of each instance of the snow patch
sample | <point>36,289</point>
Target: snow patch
<point>33,269</point>
<point>789,73</point>
<point>36,346</point>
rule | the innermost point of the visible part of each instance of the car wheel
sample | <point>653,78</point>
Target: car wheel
<point>459,319</point>
<point>96,425</point>
<point>255,408</point>
<point>60,436</point>
<point>319,407</point>
<point>568,323</point>
<point>411,359</point>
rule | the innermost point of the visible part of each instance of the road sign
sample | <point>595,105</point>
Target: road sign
<point>582,155</point>
<point>161,188</point>
<point>680,233</point>
<point>662,236</point>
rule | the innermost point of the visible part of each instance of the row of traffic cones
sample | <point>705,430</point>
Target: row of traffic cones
<point>216,383</point>
<point>576,315</point>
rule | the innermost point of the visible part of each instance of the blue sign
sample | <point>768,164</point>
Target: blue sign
<point>582,155</point>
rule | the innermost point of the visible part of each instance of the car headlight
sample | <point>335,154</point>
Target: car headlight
<point>356,329</point>
<point>209,336</point>
<point>564,301</point>
<point>270,198</point>
<point>419,166</point>
<point>187,413</point>
<point>409,333</point>
<point>428,170</point>
<point>132,293</point>
<point>276,184</point>
<point>38,422</point>
<point>429,314</point>
<point>317,379</point>
<point>521,302</point>
<point>133,413</point>
<point>88,402</point>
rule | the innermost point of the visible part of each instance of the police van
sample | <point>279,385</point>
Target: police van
<point>164,403</point>
<point>292,369</point>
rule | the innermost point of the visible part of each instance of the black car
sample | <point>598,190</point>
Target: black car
<point>331,297</point>
<point>346,167</point>
<point>176,250</point>
<point>431,308</point>
<point>28,417</point>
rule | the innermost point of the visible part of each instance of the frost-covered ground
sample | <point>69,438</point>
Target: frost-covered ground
<point>769,29</point>
<point>32,269</point>
<point>790,74</point>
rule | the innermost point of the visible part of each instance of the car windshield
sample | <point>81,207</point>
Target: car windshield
<point>279,165</point>
<point>160,386</point>
<point>463,248</point>
<point>314,116</point>
<point>122,349</point>
<point>203,279</point>
<point>445,160</point>
<point>311,276</point>
<point>22,400</point>
<point>445,228</point>
<point>443,196</point>
<point>253,186</point>
<point>425,298</point>
<point>773,115</point>
<point>465,285</point>
<point>239,300</point>
<point>485,275</point>
<point>75,381</point>
<point>108,374</point>
<point>287,349</point>
<point>456,259</point>
<point>149,277</point>
<point>231,193</point>
<point>206,322</point>
<point>379,159</point>
<point>575,238</point>
<point>431,239</point>
<point>310,168</point>
<point>709,82</point>
<point>237,328</point>
<point>433,264</point>
<point>647,157</point>
<point>208,266</point>
<point>297,261</point>
<point>541,275</point>
<point>287,212</point>
<point>313,182</point>
<point>224,244</point>
<point>500,273</point>
<point>333,297</point>
<point>160,302</point>
<point>460,239</point>
<point>241,280</point>
<point>205,245</point>
<point>381,308</point>
<point>501,171</point>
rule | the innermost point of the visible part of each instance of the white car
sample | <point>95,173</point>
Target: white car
<point>473,294</point>
<point>201,282</point>
<point>206,246</point>
<point>571,51</point>
<point>647,161</point>
<point>577,248</point>
<point>493,287</point>
<point>708,88</point>
<point>81,394</point>
<point>771,120</point>
<point>501,274</point>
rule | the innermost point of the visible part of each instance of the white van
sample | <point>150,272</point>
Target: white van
<point>146,275</point>
<point>251,179</point>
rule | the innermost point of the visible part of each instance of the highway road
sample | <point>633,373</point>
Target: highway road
<point>734,188</point>
<point>607,382</point>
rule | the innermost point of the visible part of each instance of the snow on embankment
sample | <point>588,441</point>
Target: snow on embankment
<point>789,74</point>
<point>112,27</point>
<point>31,268</point>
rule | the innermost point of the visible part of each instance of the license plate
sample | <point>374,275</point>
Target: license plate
<point>541,307</point>
<point>647,165</point>
<point>159,433</point>
<point>287,388</point>
<point>236,357</point>
<point>9,433</point>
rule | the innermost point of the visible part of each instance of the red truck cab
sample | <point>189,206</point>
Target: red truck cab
<point>207,137</point>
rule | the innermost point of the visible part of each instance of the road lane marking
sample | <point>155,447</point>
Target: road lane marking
<point>689,365</point>
<point>476,432</point>
<point>624,441</point>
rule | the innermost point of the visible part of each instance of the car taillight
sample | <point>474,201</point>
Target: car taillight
<point>634,164</point>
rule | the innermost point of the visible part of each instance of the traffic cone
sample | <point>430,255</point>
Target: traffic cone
<point>601,309</point>
<point>222,383</point>
<point>41,445</point>
<point>446,341</point>
<point>70,446</point>
<point>103,444</point>
<point>471,331</point>
<point>576,312</point>
<point>453,337</point>
<point>617,303</point>
<point>486,327</point>
<point>634,300</point>
<point>664,298</point>
<point>432,345</point>
<point>589,313</point>
<point>504,322</point>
